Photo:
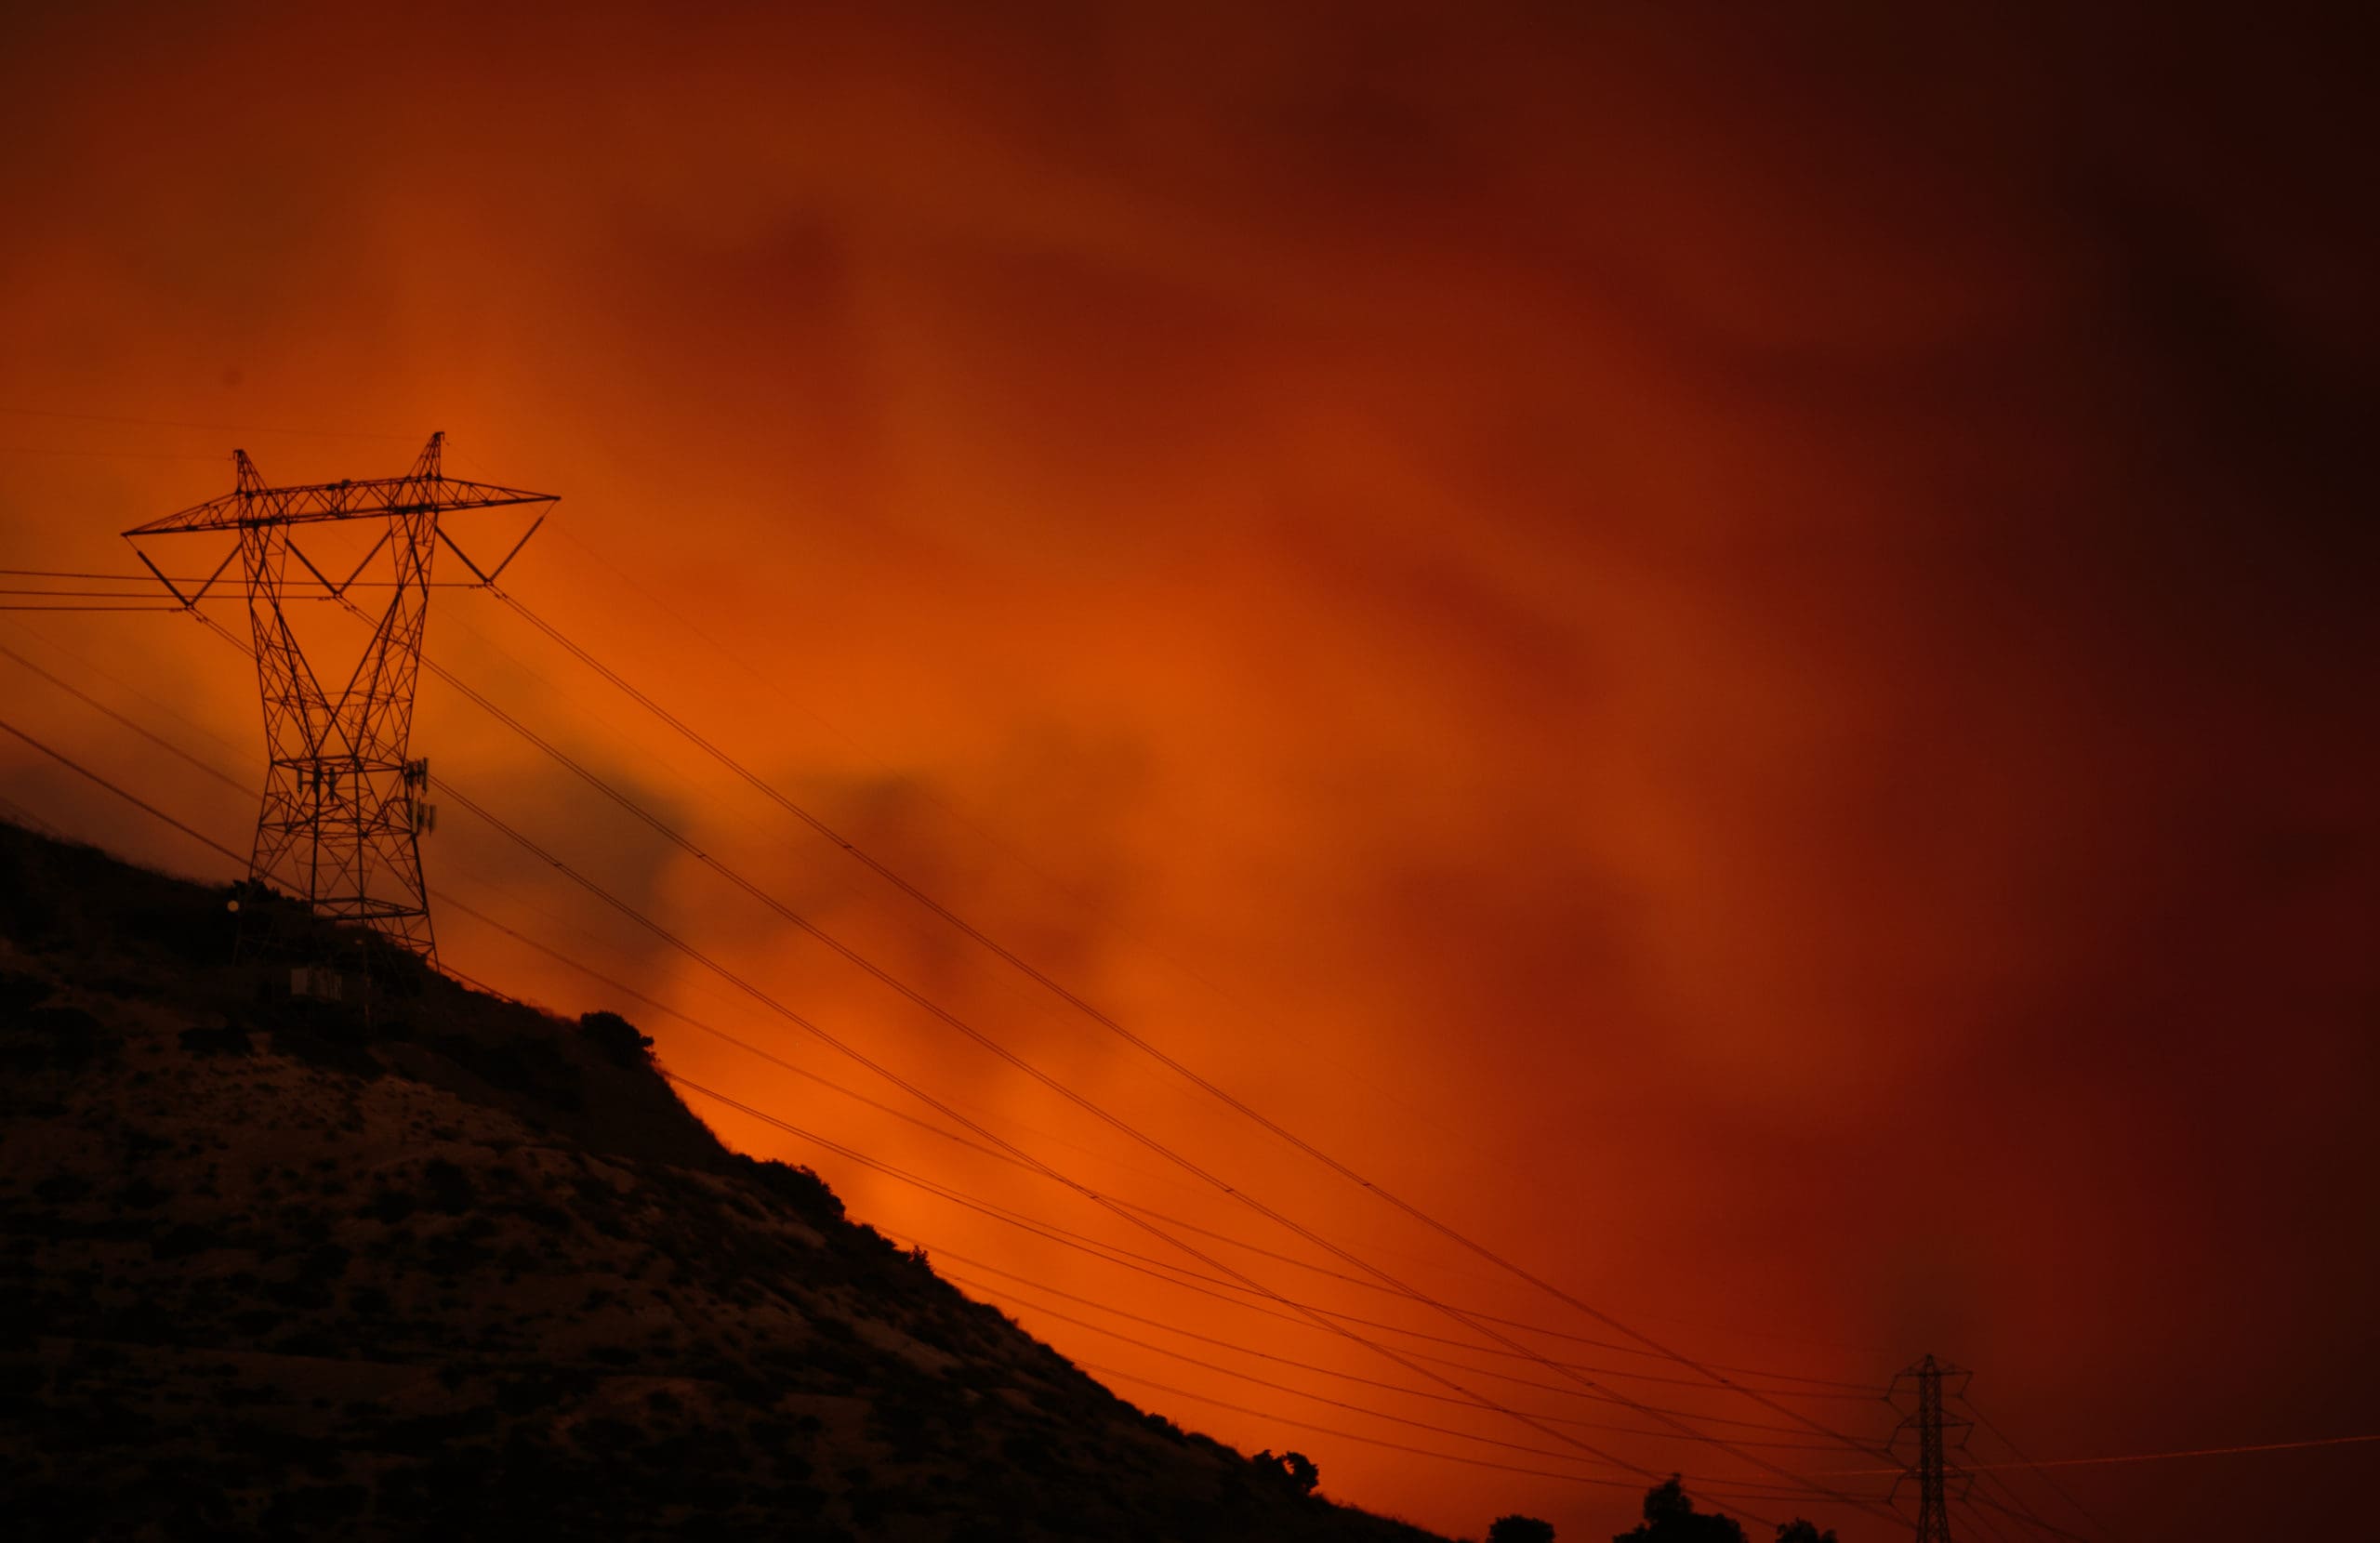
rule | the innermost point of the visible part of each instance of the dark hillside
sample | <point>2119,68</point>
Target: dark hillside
<point>475,1268</point>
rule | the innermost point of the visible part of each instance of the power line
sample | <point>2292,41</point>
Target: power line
<point>942,1014</point>
<point>2014,1504</point>
<point>1106,1252</point>
<point>208,841</point>
<point>1708,1369</point>
<point>97,705</point>
<point>1471,1399</point>
<point>954,1137</point>
<point>1175,1276</point>
<point>1124,1127</point>
<point>141,804</point>
<point>234,783</point>
<point>1088,1105</point>
<point>876,971</point>
<point>1259,1381</point>
<point>1009,849</point>
<point>941,1252</point>
<point>1976,1515</point>
<point>1399,1446</point>
<point>914,1090</point>
<point>125,686</point>
<point>2026,1517</point>
<point>2030,1465</point>
<point>2050,1478</point>
<point>196,835</point>
<point>1282,1387</point>
<point>1710,1372</point>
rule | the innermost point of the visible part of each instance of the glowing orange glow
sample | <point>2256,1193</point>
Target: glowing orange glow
<point>1738,660</point>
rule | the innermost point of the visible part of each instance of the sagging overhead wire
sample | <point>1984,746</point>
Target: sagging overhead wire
<point>145,806</point>
<point>1473,1401</point>
<point>2054,1484</point>
<point>1704,1480</point>
<point>1125,1126</point>
<point>942,1252</point>
<point>1176,1276</point>
<point>1091,1107</point>
<point>1448,1456</point>
<point>853,1053</point>
<point>1118,1124</point>
<point>1711,1372</point>
<point>1721,1497</point>
<point>630,992</point>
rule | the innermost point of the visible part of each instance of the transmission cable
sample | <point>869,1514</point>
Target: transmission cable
<point>1707,1370</point>
<point>916,1091</point>
<point>1088,1105</point>
<point>2046,1477</point>
<point>1098,1198</point>
<point>938,1252</point>
<point>1471,1399</point>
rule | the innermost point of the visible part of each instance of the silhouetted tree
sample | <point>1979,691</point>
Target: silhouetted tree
<point>620,1041</point>
<point>1520,1529</point>
<point>1669,1517</point>
<point>1294,1468</point>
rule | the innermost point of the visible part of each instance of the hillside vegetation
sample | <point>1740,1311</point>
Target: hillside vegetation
<point>473,1269</point>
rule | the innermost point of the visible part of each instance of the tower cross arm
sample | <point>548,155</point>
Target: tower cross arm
<point>344,500</point>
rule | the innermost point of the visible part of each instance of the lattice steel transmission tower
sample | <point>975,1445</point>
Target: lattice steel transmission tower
<point>1929,1425</point>
<point>342,819</point>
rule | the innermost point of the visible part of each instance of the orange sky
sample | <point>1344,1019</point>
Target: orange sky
<point>1735,653</point>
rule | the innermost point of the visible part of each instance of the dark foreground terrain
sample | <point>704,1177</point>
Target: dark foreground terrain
<point>475,1270</point>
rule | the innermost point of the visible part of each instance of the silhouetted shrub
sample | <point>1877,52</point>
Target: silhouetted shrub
<point>1520,1529</point>
<point>800,1188</point>
<point>1294,1469</point>
<point>1669,1517</point>
<point>617,1039</point>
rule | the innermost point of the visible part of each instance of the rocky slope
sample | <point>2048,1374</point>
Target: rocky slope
<point>267,1267</point>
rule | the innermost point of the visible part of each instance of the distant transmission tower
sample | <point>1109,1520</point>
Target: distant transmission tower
<point>342,818</point>
<point>1929,1424</point>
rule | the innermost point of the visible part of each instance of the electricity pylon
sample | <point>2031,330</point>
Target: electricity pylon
<point>343,817</point>
<point>1931,1468</point>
